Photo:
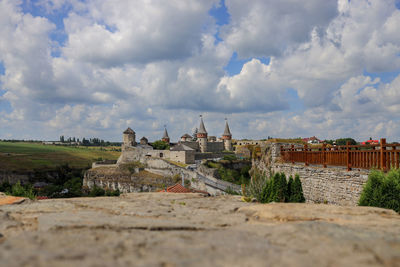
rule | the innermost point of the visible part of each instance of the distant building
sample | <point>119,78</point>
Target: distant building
<point>370,142</point>
<point>185,151</point>
<point>312,140</point>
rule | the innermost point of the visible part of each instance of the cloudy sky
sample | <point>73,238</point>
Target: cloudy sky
<point>287,68</point>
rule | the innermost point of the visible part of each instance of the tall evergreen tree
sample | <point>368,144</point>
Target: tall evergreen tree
<point>297,191</point>
<point>289,189</point>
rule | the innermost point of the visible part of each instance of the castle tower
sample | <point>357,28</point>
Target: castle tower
<point>227,137</point>
<point>202,136</point>
<point>165,137</point>
<point>129,137</point>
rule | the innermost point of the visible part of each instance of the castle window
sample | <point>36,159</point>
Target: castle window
<point>161,155</point>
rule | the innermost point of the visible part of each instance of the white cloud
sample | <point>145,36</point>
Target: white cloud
<point>136,32</point>
<point>147,63</point>
<point>268,27</point>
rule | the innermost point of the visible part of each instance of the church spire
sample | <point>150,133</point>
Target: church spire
<point>202,129</point>
<point>165,137</point>
<point>227,131</point>
<point>165,133</point>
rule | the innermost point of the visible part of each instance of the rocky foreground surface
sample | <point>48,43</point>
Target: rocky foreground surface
<point>161,229</point>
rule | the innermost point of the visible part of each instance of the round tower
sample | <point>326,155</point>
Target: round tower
<point>129,137</point>
<point>165,137</point>
<point>202,136</point>
<point>227,137</point>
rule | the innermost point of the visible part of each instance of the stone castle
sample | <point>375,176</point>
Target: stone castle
<point>187,150</point>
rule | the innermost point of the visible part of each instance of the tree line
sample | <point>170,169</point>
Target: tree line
<point>88,141</point>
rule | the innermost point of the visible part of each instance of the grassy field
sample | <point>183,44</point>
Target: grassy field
<point>36,156</point>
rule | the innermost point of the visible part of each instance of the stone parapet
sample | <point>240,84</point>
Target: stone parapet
<point>332,185</point>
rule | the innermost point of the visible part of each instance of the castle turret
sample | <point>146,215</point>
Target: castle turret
<point>129,137</point>
<point>202,136</point>
<point>227,137</point>
<point>144,141</point>
<point>165,137</point>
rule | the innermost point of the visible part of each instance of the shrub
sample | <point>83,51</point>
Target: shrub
<point>231,191</point>
<point>275,188</point>
<point>289,188</point>
<point>22,191</point>
<point>112,193</point>
<point>229,157</point>
<point>160,145</point>
<point>5,187</point>
<point>382,190</point>
<point>74,187</point>
<point>296,191</point>
<point>257,185</point>
<point>97,191</point>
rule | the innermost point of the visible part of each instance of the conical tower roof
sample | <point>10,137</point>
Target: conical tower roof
<point>165,134</point>
<point>129,131</point>
<point>202,129</point>
<point>227,132</point>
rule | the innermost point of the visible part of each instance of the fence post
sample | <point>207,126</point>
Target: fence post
<point>305,154</point>
<point>348,156</point>
<point>383,154</point>
<point>324,155</point>
<point>292,154</point>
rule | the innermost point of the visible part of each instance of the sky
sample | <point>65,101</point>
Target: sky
<point>91,68</point>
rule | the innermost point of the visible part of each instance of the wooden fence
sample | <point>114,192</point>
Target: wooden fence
<point>383,156</point>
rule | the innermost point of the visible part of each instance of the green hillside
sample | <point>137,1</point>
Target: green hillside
<point>23,156</point>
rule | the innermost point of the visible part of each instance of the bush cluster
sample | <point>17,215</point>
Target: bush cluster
<point>99,192</point>
<point>239,176</point>
<point>66,184</point>
<point>18,190</point>
<point>382,190</point>
<point>276,188</point>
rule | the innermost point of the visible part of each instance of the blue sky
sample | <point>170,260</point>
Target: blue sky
<point>274,68</point>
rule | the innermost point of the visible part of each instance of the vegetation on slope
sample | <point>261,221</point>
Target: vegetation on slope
<point>65,184</point>
<point>23,156</point>
<point>382,190</point>
<point>226,171</point>
<point>275,188</point>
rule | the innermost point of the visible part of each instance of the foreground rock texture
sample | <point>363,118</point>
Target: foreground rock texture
<point>161,229</point>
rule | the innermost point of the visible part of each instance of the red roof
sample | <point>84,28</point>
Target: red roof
<point>370,142</point>
<point>178,188</point>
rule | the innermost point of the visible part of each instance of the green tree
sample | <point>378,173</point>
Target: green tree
<point>382,190</point>
<point>343,141</point>
<point>74,187</point>
<point>297,191</point>
<point>289,188</point>
<point>160,145</point>
<point>22,191</point>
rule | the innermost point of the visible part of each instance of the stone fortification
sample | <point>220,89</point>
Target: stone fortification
<point>333,185</point>
<point>200,156</point>
<point>215,147</point>
<point>125,181</point>
<point>192,144</point>
<point>327,185</point>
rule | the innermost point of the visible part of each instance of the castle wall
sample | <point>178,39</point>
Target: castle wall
<point>249,142</point>
<point>215,147</point>
<point>186,157</point>
<point>327,185</point>
<point>192,144</point>
<point>200,156</point>
<point>129,139</point>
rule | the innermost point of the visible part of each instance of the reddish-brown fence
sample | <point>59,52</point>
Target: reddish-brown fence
<point>383,156</point>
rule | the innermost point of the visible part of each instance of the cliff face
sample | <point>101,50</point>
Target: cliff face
<point>165,229</point>
<point>126,181</point>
